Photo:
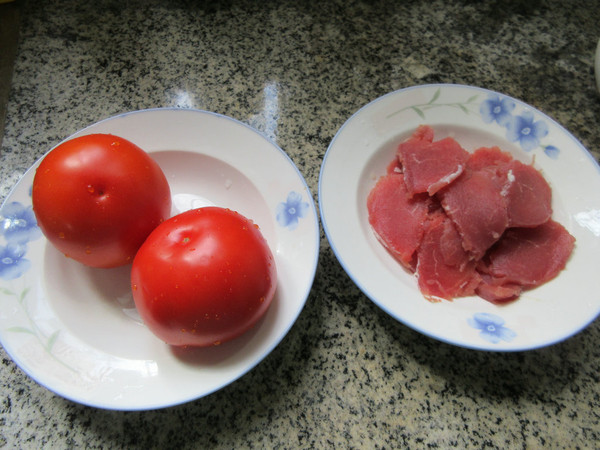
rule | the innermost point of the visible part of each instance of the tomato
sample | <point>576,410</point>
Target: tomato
<point>97,197</point>
<point>203,277</point>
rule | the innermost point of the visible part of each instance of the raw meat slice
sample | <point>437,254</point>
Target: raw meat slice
<point>429,166</point>
<point>528,196</point>
<point>476,206</point>
<point>423,133</point>
<point>492,162</point>
<point>397,219</point>
<point>494,291</point>
<point>444,269</point>
<point>394,167</point>
<point>486,157</point>
<point>529,256</point>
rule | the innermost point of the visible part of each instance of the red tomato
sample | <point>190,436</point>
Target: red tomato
<point>203,277</point>
<point>97,197</point>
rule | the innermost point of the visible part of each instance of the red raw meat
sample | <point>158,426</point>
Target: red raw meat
<point>429,166</point>
<point>394,167</point>
<point>444,269</point>
<point>423,133</point>
<point>529,256</point>
<point>528,196</point>
<point>476,206</point>
<point>397,219</point>
<point>486,157</point>
<point>467,224</point>
<point>493,290</point>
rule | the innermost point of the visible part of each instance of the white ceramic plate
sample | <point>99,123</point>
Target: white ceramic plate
<point>75,330</point>
<point>359,154</point>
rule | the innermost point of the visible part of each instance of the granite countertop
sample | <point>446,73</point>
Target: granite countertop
<point>346,374</point>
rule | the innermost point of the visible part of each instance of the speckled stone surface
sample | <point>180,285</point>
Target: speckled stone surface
<point>346,375</point>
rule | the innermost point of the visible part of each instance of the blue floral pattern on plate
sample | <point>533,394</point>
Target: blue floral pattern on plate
<point>291,211</point>
<point>18,224</point>
<point>496,108</point>
<point>522,128</point>
<point>526,130</point>
<point>18,227</point>
<point>491,327</point>
<point>12,261</point>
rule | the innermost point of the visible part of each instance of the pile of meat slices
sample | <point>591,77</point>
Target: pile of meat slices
<point>467,223</point>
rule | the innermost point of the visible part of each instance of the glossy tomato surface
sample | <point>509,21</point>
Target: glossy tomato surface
<point>203,277</point>
<point>97,197</point>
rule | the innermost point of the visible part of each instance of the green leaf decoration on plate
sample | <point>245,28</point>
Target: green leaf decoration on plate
<point>47,342</point>
<point>422,108</point>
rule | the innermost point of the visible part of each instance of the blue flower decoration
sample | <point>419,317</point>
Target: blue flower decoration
<point>551,151</point>
<point>18,224</point>
<point>289,212</point>
<point>12,261</point>
<point>492,327</point>
<point>496,109</point>
<point>526,130</point>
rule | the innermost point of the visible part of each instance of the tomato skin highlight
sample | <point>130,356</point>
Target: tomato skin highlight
<point>97,197</point>
<point>203,277</point>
